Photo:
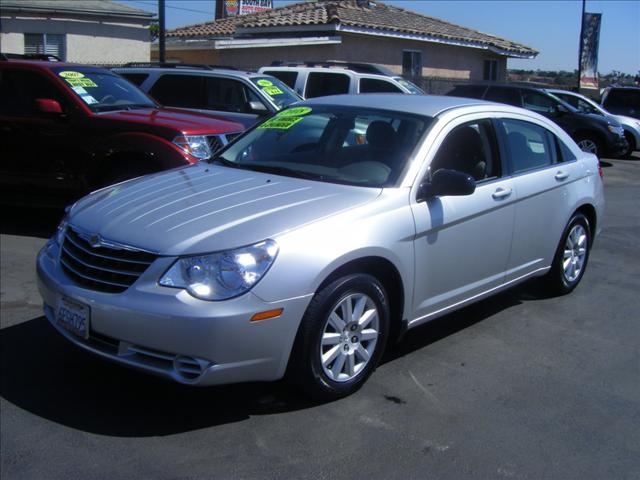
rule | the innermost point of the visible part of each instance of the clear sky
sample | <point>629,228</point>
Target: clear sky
<point>550,26</point>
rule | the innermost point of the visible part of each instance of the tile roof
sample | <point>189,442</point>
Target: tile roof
<point>374,15</point>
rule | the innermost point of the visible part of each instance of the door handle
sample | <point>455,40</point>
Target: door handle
<point>501,193</point>
<point>561,175</point>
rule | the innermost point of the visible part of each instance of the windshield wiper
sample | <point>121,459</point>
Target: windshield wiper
<point>288,172</point>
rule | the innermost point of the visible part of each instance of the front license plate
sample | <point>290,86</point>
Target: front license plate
<point>74,317</point>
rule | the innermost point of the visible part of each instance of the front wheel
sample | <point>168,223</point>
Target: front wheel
<point>341,338</point>
<point>590,144</point>
<point>631,145</point>
<point>571,257</point>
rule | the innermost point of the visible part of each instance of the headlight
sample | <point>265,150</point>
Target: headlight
<point>616,130</point>
<point>195,145</point>
<point>222,275</point>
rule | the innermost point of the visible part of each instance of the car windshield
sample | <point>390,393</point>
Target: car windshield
<point>413,88</point>
<point>102,90</point>
<point>337,144</point>
<point>277,91</point>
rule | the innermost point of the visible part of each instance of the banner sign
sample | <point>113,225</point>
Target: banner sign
<point>245,7</point>
<point>590,42</point>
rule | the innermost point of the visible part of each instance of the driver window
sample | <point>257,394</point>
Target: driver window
<point>470,148</point>
<point>20,89</point>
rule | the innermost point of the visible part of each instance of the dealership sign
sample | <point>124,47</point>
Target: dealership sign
<point>245,7</point>
<point>589,50</point>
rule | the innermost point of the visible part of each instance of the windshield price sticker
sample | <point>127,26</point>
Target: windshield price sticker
<point>280,123</point>
<point>88,99</point>
<point>271,91</point>
<point>264,83</point>
<point>79,90</point>
<point>81,82</point>
<point>294,112</point>
<point>70,74</point>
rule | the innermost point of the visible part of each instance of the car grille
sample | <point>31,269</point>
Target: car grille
<point>104,268</point>
<point>215,142</point>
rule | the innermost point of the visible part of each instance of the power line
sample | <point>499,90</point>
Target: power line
<point>169,6</point>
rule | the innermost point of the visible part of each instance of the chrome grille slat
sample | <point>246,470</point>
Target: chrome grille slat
<point>92,279</point>
<point>96,267</point>
<point>215,142</point>
<point>141,262</point>
<point>104,267</point>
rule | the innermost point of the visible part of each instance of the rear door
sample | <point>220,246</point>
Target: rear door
<point>542,175</point>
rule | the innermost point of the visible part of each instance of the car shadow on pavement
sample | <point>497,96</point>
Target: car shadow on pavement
<point>44,374</point>
<point>29,221</point>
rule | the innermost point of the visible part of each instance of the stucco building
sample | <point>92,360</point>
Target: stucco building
<point>404,41</point>
<point>88,31</point>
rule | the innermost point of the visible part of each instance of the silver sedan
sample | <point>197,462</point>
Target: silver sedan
<point>307,244</point>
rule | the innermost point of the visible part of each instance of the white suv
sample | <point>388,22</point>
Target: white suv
<point>318,79</point>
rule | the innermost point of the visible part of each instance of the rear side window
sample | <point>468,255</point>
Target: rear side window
<point>530,145</point>
<point>510,96</point>
<point>320,84</point>
<point>373,85</point>
<point>289,78</point>
<point>467,91</point>
<point>186,91</point>
<point>623,98</point>
<point>564,153</point>
<point>135,78</point>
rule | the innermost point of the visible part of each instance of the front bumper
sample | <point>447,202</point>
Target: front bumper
<point>167,332</point>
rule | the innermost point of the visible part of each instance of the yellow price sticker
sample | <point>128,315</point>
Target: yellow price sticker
<point>280,123</point>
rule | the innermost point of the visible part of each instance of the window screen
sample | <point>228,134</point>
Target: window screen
<point>320,84</point>
<point>44,43</point>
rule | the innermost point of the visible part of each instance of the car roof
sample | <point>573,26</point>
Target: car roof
<point>193,71</point>
<point>430,105</point>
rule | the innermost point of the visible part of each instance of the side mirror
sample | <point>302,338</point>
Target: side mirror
<point>445,182</point>
<point>47,105</point>
<point>258,107</point>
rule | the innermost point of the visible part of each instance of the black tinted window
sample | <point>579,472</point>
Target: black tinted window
<point>187,91</point>
<point>623,98</point>
<point>468,91</point>
<point>470,148</point>
<point>19,90</point>
<point>373,85</point>
<point>320,84</point>
<point>135,78</point>
<point>538,102</point>
<point>228,95</point>
<point>289,78</point>
<point>530,145</point>
<point>510,96</point>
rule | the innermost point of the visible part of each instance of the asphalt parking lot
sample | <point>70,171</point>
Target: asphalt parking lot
<point>520,386</point>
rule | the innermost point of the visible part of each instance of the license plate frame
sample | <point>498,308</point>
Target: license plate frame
<point>74,317</point>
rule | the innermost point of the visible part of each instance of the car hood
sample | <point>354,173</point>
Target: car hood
<point>205,208</point>
<point>189,123</point>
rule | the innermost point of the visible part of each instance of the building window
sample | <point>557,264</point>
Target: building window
<point>490,70</point>
<point>44,43</point>
<point>411,63</point>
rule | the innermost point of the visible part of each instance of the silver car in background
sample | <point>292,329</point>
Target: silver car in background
<point>307,244</point>
<point>584,104</point>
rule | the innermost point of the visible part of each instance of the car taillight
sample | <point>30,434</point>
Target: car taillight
<point>600,172</point>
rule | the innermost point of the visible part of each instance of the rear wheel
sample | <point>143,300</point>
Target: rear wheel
<point>341,338</point>
<point>571,256</point>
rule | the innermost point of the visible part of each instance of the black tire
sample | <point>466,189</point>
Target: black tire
<point>306,368</point>
<point>632,145</point>
<point>557,280</point>
<point>585,139</point>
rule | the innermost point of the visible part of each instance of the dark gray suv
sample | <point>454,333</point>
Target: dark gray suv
<point>594,134</point>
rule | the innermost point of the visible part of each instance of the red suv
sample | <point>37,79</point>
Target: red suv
<point>68,129</point>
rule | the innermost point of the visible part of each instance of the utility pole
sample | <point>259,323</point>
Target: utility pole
<point>161,33</point>
<point>580,45</point>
